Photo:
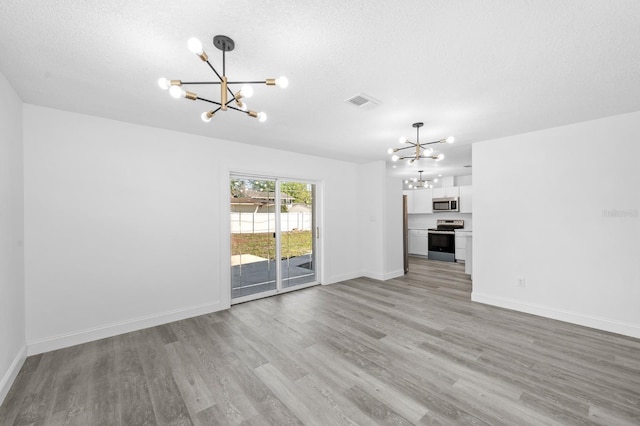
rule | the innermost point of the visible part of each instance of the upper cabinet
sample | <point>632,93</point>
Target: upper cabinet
<point>447,192</point>
<point>409,195</point>
<point>419,201</point>
<point>422,201</point>
<point>465,198</point>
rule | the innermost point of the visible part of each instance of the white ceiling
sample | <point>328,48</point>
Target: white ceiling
<point>473,69</point>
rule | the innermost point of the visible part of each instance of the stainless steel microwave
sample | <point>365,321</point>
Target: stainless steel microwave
<point>445,204</point>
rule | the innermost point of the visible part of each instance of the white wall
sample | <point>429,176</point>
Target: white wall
<point>393,239</point>
<point>380,222</point>
<point>127,226</point>
<point>541,210</point>
<point>12,304</point>
<point>370,193</point>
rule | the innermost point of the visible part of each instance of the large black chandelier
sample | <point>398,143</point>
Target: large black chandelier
<point>421,149</point>
<point>227,96</point>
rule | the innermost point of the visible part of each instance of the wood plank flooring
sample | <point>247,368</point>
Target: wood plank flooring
<point>413,350</point>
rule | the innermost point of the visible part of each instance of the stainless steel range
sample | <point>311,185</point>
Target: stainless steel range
<point>442,239</point>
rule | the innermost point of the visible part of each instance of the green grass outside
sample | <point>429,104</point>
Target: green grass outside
<point>294,243</point>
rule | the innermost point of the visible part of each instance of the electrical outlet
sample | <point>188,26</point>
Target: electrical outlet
<point>520,282</point>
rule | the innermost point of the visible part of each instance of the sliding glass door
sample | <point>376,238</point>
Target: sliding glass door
<point>297,227</point>
<point>273,236</point>
<point>253,242</point>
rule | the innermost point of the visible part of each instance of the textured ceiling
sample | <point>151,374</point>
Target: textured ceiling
<point>473,69</point>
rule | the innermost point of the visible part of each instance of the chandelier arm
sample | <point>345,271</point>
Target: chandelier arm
<point>220,77</point>
<point>247,82</point>
<point>207,100</point>
<point>237,109</point>
<point>199,82</point>
<point>214,70</point>
<point>430,143</point>
<point>400,149</point>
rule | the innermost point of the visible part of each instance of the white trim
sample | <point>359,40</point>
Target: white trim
<point>254,296</point>
<point>343,277</point>
<point>224,262</point>
<point>605,324</point>
<point>393,274</point>
<point>384,276</point>
<point>12,373</point>
<point>374,275</point>
<point>270,293</point>
<point>87,335</point>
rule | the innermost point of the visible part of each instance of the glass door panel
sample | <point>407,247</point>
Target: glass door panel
<point>253,231</point>
<point>297,227</point>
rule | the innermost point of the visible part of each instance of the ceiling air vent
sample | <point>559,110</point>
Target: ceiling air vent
<point>362,101</point>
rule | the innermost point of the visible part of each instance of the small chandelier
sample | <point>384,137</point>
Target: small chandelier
<point>227,96</point>
<point>421,151</point>
<point>419,183</point>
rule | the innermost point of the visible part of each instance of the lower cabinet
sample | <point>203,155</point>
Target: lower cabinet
<point>419,242</point>
<point>461,245</point>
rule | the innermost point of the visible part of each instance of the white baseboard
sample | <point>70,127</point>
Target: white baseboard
<point>605,324</point>
<point>385,275</point>
<point>343,277</point>
<point>11,374</point>
<point>393,274</point>
<point>83,336</point>
<point>373,275</point>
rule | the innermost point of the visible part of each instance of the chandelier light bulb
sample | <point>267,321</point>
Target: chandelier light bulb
<point>195,46</point>
<point>164,83</point>
<point>177,92</point>
<point>428,151</point>
<point>414,179</point>
<point>395,158</point>
<point>262,117</point>
<point>450,139</point>
<point>206,116</point>
<point>246,91</point>
<point>436,180</point>
<point>402,139</point>
<point>406,181</point>
<point>282,82</point>
<point>390,151</point>
<point>410,186</point>
<point>439,157</point>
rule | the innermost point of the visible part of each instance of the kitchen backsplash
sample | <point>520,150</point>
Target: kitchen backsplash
<point>429,220</point>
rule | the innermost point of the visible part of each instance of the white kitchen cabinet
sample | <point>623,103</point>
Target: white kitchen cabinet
<point>418,242</point>
<point>409,195</point>
<point>461,244</point>
<point>465,198</point>
<point>422,201</point>
<point>446,192</point>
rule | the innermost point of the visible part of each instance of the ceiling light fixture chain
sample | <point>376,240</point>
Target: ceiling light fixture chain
<point>227,96</point>
<point>421,149</point>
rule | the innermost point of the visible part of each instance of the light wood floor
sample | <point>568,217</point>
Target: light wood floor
<point>413,350</point>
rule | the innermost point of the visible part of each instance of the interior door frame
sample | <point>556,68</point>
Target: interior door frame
<point>225,240</point>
